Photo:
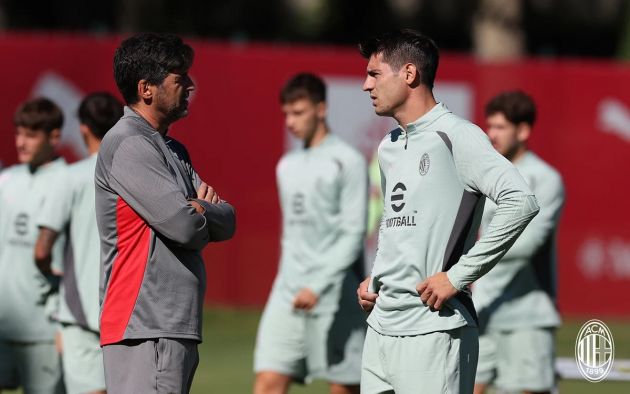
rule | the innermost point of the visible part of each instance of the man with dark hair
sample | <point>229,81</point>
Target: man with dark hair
<point>70,209</point>
<point>516,299</point>
<point>311,327</point>
<point>28,356</point>
<point>154,215</point>
<point>435,166</point>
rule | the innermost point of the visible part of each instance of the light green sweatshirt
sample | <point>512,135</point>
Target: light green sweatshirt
<point>434,177</point>
<point>323,196</point>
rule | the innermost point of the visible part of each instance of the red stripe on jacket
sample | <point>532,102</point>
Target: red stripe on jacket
<point>134,237</point>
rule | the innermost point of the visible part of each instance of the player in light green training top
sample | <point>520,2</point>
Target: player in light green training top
<point>28,356</point>
<point>70,209</point>
<point>311,327</point>
<point>436,167</point>
<point>516,299</point>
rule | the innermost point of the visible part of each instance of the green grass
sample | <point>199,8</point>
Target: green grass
<point>226,355</point>
<point>229,335</point>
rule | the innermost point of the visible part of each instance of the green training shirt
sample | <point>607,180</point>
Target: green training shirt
<point>323,197</point>
<point>434,177</point>
<point>24,291</point>
<point>71,209</point>
<point>519,292</point>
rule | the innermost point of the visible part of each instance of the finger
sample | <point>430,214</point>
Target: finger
<point>438,303</point>
<point>215,198</point>
<point>366,305</point>
<point>422,286</point>
<point>368,296</point>
<point>431,301</point>
<point>209,194</point>
<point>201,191</point>
<point>425,295</point>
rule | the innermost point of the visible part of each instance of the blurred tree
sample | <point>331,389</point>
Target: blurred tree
<point>490,28</point>
<point>498,30</point>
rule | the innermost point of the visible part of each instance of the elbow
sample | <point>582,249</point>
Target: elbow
<point>224,229</point>
<point>185,230</point>
<point>531,205</point>
<point>43,259</point>
<point>192,239</point>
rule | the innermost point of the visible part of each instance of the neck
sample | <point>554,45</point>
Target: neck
<point>518,154</point>
<point>318,136</point>
<point>419,102</point>
<point>93,144</point>
<point>35,166</point>
<point>155,119</point>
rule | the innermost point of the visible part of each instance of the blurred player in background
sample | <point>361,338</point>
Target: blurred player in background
<point>311,327</point>
<point>28,356</point>
<point>70,209</point>
<point>435,167</point>
<point>154,215</point>
<point>516,299</point>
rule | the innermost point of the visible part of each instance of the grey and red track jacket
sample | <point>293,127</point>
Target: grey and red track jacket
<point>152,273</point>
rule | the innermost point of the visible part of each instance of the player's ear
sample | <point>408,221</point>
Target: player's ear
<point>84,130</point>
<point>322,108</point>
<point>523,131</point>
<point>54,137</point>
<point>410,74</point>
<point>145,90</point>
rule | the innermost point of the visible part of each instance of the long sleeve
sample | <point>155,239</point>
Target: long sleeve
<point>220,220</point>
<point>353,214</point>
<point>221,217</point>
<point>141,177</point>
<point>550,195</point>
<point>485,171</point>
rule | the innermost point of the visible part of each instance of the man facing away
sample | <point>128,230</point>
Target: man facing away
<point>436,167</point>
<point>70,209</point>
<point>311,327</point>
<point>28,356</point>
<point>516,299</point>
<point>154,215</point>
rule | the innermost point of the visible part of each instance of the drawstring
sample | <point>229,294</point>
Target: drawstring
<point>406,139</point>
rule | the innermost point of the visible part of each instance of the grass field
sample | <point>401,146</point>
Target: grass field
<point>229,335</point>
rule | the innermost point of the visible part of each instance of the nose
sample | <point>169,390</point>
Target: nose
<point>491,133</point>
<point>19,141</point>
<point>367,84</point>
<point>190,85</point>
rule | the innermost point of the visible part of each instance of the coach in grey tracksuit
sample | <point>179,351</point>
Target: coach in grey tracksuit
<point>154,215</point>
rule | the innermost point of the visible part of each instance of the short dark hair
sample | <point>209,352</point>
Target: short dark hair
<point>100,111</point>
<point>405,46</point>
<point>303,85</point>
<point>149,56</point>
<point>516,105</point>
<point>39,114</point>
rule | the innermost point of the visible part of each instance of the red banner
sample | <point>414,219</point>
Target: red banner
<point>235,136</point>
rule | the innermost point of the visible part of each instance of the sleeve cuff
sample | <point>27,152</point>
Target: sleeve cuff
<point>455,281</point>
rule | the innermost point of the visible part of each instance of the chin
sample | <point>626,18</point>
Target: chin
<point>381,112</point>
<point>24,159</point>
